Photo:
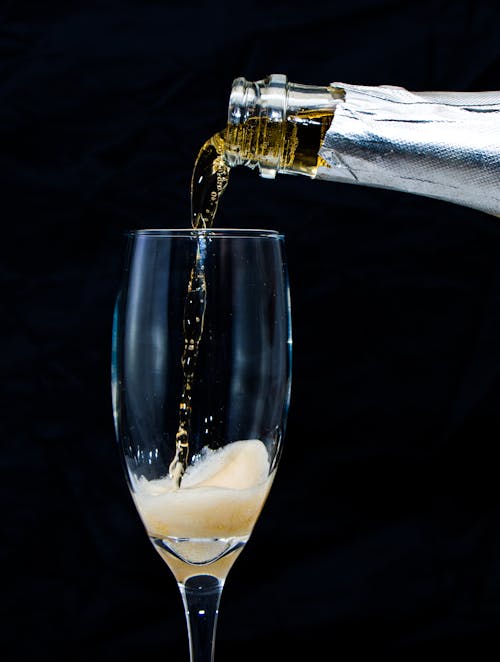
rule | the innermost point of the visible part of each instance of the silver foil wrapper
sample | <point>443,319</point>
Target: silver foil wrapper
<point>443,145</point>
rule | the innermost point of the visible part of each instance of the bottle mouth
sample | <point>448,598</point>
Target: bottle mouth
<point>263,98</point>
<point>264,101</point>
<point>262,114</point>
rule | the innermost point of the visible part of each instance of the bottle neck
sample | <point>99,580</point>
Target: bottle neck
<point>277,126</point>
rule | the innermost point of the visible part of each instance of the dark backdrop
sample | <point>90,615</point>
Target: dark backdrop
<point>390,545</point>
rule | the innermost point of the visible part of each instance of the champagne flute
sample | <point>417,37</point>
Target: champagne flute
<point>201,385</point>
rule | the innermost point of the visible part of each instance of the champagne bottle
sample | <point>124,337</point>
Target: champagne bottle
<point>443,145</point>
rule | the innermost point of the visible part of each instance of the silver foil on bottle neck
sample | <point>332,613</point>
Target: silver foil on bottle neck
<point>437,144</point>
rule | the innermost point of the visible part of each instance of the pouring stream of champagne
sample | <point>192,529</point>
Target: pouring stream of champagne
<point>208,182</point>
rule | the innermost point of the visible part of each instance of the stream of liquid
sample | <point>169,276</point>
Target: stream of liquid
<point>296,144</point>
<point>209,180</point>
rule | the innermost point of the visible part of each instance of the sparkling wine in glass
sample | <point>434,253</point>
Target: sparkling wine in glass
<point>201,385</point>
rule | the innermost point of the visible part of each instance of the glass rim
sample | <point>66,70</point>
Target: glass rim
<point>209,232</point>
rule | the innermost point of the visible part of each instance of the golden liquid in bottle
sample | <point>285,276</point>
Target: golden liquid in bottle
<point>294,144</point>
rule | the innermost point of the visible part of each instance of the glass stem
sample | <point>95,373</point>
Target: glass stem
<point>201,597</point>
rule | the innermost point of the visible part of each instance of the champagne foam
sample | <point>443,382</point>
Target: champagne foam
<point>221,494</point>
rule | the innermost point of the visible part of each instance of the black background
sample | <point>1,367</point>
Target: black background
<point>389,542</point>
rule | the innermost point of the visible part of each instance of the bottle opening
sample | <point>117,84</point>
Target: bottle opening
<point>277,126</point>
<point>256,115</point>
